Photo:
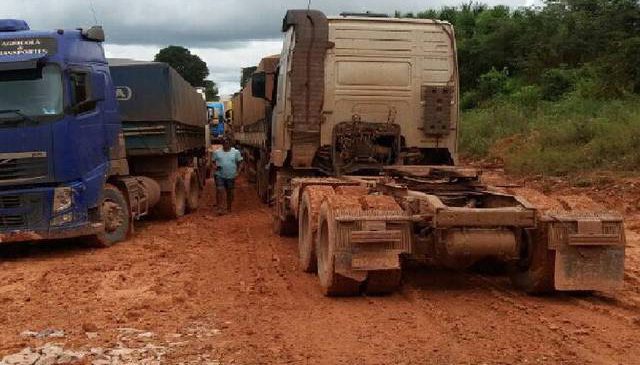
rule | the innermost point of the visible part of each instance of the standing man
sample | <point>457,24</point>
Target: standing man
<point>228,162</point>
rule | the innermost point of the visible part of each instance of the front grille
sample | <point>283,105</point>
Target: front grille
<point>10,222</point>
<point>15,169</point>
<point>19,212</point>
<point>9,201</point>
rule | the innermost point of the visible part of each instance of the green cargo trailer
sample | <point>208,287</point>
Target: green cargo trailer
<point>163,124</point>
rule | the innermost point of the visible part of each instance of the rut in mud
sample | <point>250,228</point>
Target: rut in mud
<point>208,289</point>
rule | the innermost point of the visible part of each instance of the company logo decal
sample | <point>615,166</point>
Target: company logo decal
<point>123,93</point>
<point>28,46</point>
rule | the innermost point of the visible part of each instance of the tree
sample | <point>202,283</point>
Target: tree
<point>211,90</point>
<point>191,67</point>
<point>246,75</point>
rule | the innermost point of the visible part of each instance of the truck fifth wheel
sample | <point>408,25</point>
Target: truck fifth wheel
<point>363,145</point>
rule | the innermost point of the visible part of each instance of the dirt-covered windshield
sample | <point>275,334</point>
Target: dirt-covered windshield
<point>31,92</point>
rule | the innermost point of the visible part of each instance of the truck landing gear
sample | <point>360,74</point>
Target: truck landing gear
<point>283,224</point>
<point>114,214</point>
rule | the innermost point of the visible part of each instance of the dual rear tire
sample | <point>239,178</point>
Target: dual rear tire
<point>309,210</point>
<point>183,198</point>
<point>331,282</point>
<point>327,250</point>
<point>173,203</point>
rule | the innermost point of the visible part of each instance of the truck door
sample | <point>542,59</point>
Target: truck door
<point>87,127</point>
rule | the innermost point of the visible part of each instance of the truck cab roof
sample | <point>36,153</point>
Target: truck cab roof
<point>20,44</point>
<point>379,19</point>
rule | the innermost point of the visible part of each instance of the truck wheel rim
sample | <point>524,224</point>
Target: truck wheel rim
<point>113,217</point>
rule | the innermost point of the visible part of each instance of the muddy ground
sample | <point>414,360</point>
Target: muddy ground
<point>225,290</point>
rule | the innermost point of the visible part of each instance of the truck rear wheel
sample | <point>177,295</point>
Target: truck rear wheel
<point>331,283</point>
<point>193,191</point>
<point>114,215</point>
<point>262,178</point>
<point>173,203</point>
<point>534,272</point>
<point>284,228</point>
<point>308,225</point>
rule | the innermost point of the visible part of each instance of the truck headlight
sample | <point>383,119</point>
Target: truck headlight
<point>62,219</point>
<point>62,199</point>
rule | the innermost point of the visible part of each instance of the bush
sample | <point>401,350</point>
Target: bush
<point>527,96</point>
<point>555,83</point>
<point>470,100</point>
<point>492,83</point>
<point>575,134</point>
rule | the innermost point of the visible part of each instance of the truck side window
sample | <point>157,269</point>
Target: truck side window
<point>80,93</point>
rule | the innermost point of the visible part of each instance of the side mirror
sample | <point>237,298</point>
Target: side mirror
<point>98,86</point>
<point>88,88</point>
<point>259,85</point>
<point>95,33</point>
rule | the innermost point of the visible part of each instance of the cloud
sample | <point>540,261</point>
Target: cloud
<point>224,63</point>
<point>227,34</point>
<point>193,23</point>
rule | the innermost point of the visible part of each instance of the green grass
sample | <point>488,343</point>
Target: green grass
<point>555,138</point>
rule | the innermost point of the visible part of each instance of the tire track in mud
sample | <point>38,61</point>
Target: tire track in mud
<point>231,273</point>
<point>279,316</point>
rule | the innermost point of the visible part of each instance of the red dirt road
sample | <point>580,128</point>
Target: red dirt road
<point>227,289</point>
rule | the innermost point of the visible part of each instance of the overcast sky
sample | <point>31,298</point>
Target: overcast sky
<point>226,34</point>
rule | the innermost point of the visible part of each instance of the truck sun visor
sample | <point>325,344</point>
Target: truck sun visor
<point>24,65</point>
<point>13,25</point>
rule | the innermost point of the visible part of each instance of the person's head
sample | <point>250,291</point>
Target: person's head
<point>226,144</point>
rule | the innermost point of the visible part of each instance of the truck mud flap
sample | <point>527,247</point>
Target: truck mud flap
<point>371,241</point>
<point>376,260</point>
<point>590,268</point>
<point>589,251</point>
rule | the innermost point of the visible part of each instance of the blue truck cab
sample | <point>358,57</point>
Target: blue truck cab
<point>64,169</point>
<point>58,125</point>
<point>217,120</point>
<point>83,157</point>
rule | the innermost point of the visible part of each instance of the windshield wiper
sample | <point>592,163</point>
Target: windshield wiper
<point>19,113</point>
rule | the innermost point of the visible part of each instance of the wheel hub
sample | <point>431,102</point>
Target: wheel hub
<point>113,215</point>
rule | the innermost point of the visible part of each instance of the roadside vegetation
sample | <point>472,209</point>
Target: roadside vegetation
<point>552,90</point>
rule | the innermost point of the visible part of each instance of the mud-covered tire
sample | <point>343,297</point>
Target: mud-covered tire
<point>309,210</point>
<point>262,179</point>
<point>193,191</point>
<point>172,204</point>
<point>284,228</point>
<point>534,272</point>
<point>113,212</point>
<point>331,283</point>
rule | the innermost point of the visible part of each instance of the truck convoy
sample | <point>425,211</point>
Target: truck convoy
<point>217,121</point>
<point>251,126</point>
<point>87,147</point>
<point>355,142</point>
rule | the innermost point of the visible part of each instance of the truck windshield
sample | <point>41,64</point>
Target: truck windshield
<point>36,93</point>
